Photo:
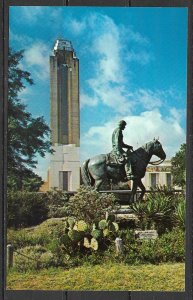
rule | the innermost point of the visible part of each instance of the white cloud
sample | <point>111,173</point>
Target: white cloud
<point>141,57</point>
<point>56,13</point>
<point>32,13</point>
<point>77,26</point>
<point>140,129</point>
<point>43,166</point>
<point>112,96</point>
<point>96,141</point>
<point>136,36</point>
<point>109,64</point>
<point>37,57</point>
<point>107,46</point>
<point>109,80</point>
<point>87,100</point>
<point>23,40</point>
<point>148,99</point>
<point>26,93</point>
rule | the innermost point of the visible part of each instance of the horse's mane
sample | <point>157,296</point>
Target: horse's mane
<point>140,151</point>
<point>145,147</point>
<point>143,150</point>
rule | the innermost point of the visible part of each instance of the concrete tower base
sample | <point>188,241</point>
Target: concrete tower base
<point>64,171</point>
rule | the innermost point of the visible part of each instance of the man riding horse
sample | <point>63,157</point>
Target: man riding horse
<point>97,169</point>
<point>118,153</point>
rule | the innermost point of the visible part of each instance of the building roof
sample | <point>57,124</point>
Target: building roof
<point>62,44</point>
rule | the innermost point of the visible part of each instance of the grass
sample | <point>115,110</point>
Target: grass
<point>117,277</point>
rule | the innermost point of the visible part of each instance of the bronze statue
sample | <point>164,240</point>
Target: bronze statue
<point>98,169</point>
<point>120,155</point>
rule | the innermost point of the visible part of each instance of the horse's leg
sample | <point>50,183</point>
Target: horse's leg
<point>134,189</point>
<point>143,190</point>
<point>98,183</point>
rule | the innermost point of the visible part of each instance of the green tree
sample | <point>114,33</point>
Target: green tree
<point>179,167</point>
<point>27,136</point>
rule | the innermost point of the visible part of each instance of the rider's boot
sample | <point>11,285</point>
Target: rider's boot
<point>128,170</point>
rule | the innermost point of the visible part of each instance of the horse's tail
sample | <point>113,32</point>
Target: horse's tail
<point>86,177</point>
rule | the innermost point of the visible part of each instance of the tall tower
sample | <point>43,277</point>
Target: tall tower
<point>64,94</point>
<point>64,171</point>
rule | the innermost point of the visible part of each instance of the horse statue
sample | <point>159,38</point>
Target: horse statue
<point>98,169</point>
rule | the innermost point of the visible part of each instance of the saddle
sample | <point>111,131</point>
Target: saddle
<point>112,160</point>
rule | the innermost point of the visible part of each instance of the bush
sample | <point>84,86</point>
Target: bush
<point>23,237</point>
<point>26,209</point>
<point>179,216</point>
<point>90,205</point>
<point>33,258</point>
<point>154,213</point>
<point>162,210</point>
<point>51,227</point>
<point>72,243</point>
<point>170,247</point>
<point>69,240</point>
<point>73,237</point>
<point>57,201</point>
<point>163,190</point>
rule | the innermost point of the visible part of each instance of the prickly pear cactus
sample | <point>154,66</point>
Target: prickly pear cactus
<point>106,232</point>
<point>81,226</point>
<point>94,244</point>
<point>86,243</point>
<point>114,227</point>
<point>75,236</point>
<point>97,233</point>
<point>111,218</point>
<point>109,223</point>
<point>71,222</point>
<point>102,224</point>
<point>66,239</point>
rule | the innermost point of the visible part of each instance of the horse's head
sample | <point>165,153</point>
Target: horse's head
<point>156,148</point>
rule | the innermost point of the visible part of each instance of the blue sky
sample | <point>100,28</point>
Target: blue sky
<point>132,67</point>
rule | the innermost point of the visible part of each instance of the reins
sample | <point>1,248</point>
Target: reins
<point>157,162</point>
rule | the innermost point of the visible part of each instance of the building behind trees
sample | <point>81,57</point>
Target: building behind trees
<point>64,171</point>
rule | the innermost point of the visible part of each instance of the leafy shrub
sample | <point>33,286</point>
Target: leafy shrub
<point>169,247</point>
<point>57,201</point>
<point>73,243</point>
<point>30,182</point>
<point>50,234</point>
<point>20,238</point>
<point>163,190</point>
<point>172,245</point>
<point>24,237</point>
<point>72,237</point>
<point>180,214</point>
<point>90,205</point>
<point>154,213</point>
<point>26,208</point>
<point>162,210</point>
<point>96,258</point>
<point>51,227</point>
<point>41,234</point>
<point>33,258</point>
<point>70,241</point>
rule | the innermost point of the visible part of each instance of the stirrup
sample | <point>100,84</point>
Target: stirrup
<point>131,177</point>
